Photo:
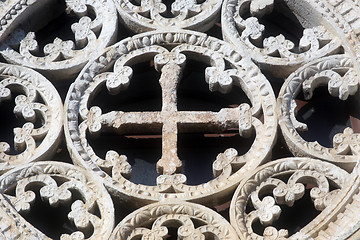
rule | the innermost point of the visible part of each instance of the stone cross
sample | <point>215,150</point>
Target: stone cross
<point>173,120</point>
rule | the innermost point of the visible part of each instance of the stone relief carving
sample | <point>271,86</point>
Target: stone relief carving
<point>141,16</point>
<point>266,191</point>
<point>62,58</point>
<point>191,221</point>
<point>318,48</point>
<point>153,46</point>
<point>57,184</point>
<point>324,71</point>
<point>31,143</point>
<point>243,27</point>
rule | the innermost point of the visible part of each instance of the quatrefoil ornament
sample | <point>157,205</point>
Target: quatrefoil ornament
<point>120,79</point>
<point>170,52</point>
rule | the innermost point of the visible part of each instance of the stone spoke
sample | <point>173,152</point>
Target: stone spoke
<point>201,120</point>
<point>169,80</point>
<point>225,118</point>
<point>121,120</point>
<point>169,162</point>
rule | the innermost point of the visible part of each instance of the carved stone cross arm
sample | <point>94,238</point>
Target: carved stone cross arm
<point>225,69</point>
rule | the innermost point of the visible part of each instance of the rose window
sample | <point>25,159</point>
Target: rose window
<point>181,119</point>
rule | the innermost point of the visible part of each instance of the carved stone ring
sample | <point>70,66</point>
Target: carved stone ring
<point>228,167</point>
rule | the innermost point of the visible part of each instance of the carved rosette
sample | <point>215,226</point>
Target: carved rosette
<point>242,26</point>
<point>341,78</point>
<point>56,184</point>
<point>229,167</point>
<point>189,220</point>
<point>96,28</point>
<point>145,15</point>
<point>37,100</point>
<point>261,196</point>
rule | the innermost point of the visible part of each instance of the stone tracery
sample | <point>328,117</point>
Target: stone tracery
<point>269,192</point>
<point>322,49</point>
<point>242,117</point>
<point>61,59</point>
<point>31,143</point>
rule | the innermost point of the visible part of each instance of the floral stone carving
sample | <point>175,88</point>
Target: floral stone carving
<point>57,184</point>
<point>61,59</point>
<point>228,168</point>
<point>191,221</point>
<point>266,191</point>
<point>311,192</point>
<point>30,143</point>
<point>248,32</point>
<point>325,71</point>
<point>141,15</point>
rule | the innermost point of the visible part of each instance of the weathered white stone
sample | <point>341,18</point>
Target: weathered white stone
<point>61,59</point>
<point>32,143</point>
<point>321,72</point>
<point>275,54</point>
<point>170,63</point>
<point>267,181</point>
<point>57,182</point>
<point>180,215</point>
<point>327,53</point>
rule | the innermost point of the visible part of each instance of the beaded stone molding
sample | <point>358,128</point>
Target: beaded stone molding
<point>242,26</point>
<point>279,53</point>
<point>36,100</point>
<point>57,183</point>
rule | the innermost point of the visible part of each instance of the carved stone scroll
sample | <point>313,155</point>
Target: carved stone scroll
<point>241,25</point>
<point>190,221</point>
<point>141,15</point>
<point>339,75</point>
<point>31,143</point>
<point>280,183</point>
<point>61,58</point>
<point>57,184</point>
<point>313,192</point>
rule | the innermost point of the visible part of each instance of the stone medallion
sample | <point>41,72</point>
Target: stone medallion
<point>36,101</point>
<point>338,74</point>
<point>278,185</point>
<point>170,51</point>
<point>189,220</point>
<point>61,186</point>
<point>274,45</point>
